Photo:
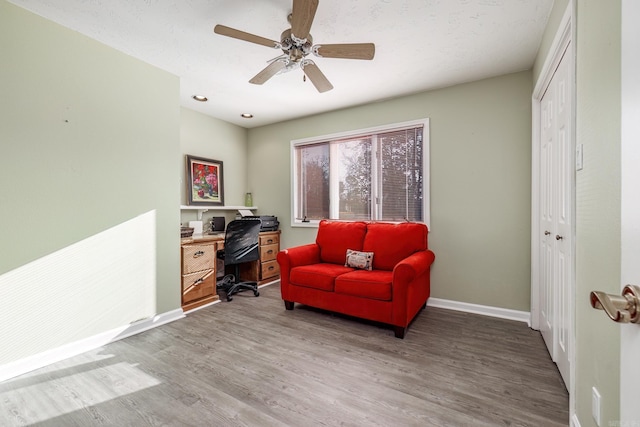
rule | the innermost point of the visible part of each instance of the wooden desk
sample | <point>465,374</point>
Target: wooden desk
<point>199,266</point>
<point>266,269</point>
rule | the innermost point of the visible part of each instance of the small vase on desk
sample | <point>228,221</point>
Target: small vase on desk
<point>248,199</point>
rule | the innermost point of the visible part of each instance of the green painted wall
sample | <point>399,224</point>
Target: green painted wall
<point>89,167</point>
<point>211,138</point>
<point>480,181</point>
<point>597,204</point>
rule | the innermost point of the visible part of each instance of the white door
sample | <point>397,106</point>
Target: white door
<point>563,239</point>
<point>556,213</point>
<point>547,149</point>
<point>630,209</point>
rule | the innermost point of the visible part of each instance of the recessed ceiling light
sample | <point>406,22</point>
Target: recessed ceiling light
<point>200,98</point>
<point>246,115</point>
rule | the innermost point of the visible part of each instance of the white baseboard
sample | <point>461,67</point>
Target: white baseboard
<point>40,360</point>
<point>203,306</point>
<point>503,313</point>
<point>269,283</point>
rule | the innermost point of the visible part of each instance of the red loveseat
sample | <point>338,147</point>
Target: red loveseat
<point>393,291</point>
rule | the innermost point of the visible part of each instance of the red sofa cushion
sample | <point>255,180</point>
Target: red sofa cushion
<point>334,238</point>
<point>391,243</point>
<point>317,276</point>
<point>374,284</point>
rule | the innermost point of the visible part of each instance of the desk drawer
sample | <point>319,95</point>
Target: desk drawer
<point>270,239</point>
<point>198,257</point>
<point>268,252</point>
<point>198,285</point>
<point>270,269</point>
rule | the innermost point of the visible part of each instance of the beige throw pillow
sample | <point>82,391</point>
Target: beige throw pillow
<point>362,260</point>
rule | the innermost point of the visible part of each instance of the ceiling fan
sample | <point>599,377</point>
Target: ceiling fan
<point>297,44</point>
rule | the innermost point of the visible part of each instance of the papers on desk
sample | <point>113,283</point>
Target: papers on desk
<point>245,212</point>
<point>197,226</point>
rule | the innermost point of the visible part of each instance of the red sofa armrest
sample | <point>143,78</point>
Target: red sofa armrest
<point>293,257</point>
<point>411,287</point>
<point>412,266</point>
<point>299,255</point>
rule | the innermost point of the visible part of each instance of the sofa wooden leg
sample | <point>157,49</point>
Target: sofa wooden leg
<point>288,305</point>
<point>399,331</point>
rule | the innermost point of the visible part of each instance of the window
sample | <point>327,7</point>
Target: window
<point>371,174</point>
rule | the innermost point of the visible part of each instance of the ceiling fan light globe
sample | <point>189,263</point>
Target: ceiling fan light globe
<point>297,54</point>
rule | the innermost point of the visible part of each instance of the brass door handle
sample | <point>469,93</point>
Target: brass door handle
<point>547,232</point>
<point>621,309</point>
<point>558,237</point>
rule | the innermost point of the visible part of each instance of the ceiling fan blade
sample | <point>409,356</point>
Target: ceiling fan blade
<point>270,71</point>
<point>347,51</point>
<point>241,35</point>
<point>317,78</point>
<point>302,17</point>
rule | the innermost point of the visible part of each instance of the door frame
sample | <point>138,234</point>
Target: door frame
<point>561,42</point>
<point>630,205</point>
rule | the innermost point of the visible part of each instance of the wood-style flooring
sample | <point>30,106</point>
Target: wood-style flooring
<point>250,362</point>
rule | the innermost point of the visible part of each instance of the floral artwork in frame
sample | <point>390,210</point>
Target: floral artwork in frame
<point>204,181</point>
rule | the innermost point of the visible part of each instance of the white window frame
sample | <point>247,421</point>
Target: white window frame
<point>426,171</point>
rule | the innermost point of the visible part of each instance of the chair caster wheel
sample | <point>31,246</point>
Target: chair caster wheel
<point>256,293</point>
<point>229,299</point>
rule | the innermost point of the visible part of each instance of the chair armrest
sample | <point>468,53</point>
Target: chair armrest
<point>413,266</point>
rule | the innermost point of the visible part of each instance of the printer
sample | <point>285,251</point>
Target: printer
<point>267,222</point>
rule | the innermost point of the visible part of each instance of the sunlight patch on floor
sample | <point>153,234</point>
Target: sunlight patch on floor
<point>53,398</point>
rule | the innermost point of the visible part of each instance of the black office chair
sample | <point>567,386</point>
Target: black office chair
<point>240,246</point>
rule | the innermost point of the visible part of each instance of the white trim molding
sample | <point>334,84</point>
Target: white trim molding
<point>574,422</point>
<point>40,360</point>
<point>485,310</point>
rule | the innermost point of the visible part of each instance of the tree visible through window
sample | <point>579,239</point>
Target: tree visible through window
<point>354,163</point>
<point>313,179</point>
<point>380,174</point>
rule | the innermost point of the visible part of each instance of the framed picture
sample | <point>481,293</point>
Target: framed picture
<point>204,181</point>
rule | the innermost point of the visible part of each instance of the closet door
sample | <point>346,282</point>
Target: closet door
<point>556,241</point>
<point>564,219</point>
<point>547,208</point>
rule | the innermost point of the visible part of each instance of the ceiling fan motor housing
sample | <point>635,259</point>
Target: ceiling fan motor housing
<point>293,47</point>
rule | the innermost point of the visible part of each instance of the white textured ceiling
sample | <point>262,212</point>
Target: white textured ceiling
<point>420,45</point>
